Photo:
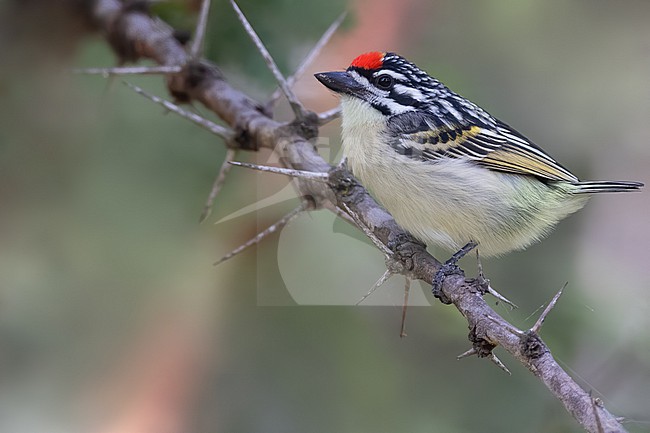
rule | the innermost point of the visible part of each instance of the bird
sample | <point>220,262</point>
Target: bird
<point>448,171</point>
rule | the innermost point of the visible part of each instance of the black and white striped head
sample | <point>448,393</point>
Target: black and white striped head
<point>393,85</point>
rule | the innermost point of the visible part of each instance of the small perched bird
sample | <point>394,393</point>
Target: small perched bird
<point>448,171</point>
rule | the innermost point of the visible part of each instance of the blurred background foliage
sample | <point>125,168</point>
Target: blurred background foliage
<point>113,319</point>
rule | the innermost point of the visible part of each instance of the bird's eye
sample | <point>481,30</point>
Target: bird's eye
<point>384,82</point>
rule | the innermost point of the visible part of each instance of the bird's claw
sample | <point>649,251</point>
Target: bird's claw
<point>449,268</point>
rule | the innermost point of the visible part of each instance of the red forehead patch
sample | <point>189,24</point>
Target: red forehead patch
<point>371,60</point>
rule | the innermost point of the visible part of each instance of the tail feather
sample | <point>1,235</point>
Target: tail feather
<point>596,186</point>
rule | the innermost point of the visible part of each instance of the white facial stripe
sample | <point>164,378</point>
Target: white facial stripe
<point>410,91</point>
<point>393,74</point>
<point>380,97</point>
<point>394,107</point>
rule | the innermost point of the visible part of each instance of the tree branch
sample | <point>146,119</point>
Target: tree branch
<point>134,34</point>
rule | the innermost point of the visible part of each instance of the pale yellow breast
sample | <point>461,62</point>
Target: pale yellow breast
<point>451,201</point>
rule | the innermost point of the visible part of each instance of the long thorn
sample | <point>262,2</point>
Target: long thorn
<point>128,70</point>
<point>405,305</point>
<point>484,283</point>
<point>309,59</point>
<point>296,106</point>
<point>467,354</point>
<point>282,222</point>
<point>386,275</point>
<point>375,240</point>
<point>500,297</point>
<point>311,175</point>
<point>218,183</point>
<point>492,357</point>
<point>327,116</point>
<point>540,321</point>
<point>219,130</point>
<point>201,27</point>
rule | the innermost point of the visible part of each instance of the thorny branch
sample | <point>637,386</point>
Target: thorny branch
<point>134,34</point>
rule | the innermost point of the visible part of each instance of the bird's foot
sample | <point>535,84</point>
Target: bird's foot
<point>447,269</point>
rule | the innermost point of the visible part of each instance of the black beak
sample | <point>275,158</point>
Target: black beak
<point>340,82</point>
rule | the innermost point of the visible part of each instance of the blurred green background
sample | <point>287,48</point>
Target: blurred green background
<point>113,319</point>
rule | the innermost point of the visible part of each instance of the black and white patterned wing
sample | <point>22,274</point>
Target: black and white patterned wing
<point>493,145</point>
